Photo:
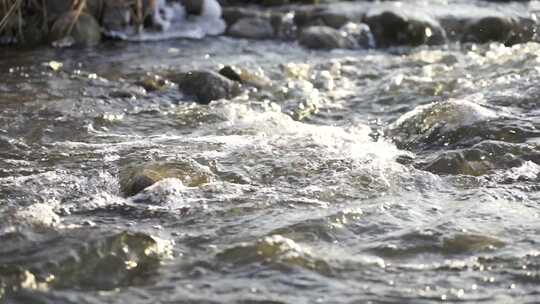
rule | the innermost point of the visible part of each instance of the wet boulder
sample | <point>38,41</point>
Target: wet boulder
<point>232,14</point>
<point>320,16</point>
<point>135,178</point>
<point>206,86</point>
<point>323,37</point>
<point>480,159</point>
<point>391,28</point>
<point>252,28</point>
<point>245,77</point>
<point>83,29</point>
<point>506,30</point>
<point>439,123</point>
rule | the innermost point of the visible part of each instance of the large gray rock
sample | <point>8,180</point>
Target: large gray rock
<point>252,28</point>
<point>323,37</point>
<point>206,86</point>
<point>391,28</point>
<point>136,178</point>
<point>506,30</point>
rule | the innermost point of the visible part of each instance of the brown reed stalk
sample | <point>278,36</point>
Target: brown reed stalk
<point>78,7</point>
<point>15,7</point>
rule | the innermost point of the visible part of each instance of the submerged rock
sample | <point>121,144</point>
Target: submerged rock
<point>323,37</point>
<point>206,86</point>
<point>319,16</point>
<point>463,243</point>
<point>435,122</point>
<point>252,28</point>
<point>83,28</point>
<point>153,83</point>
<point>233,14</point>
<point>245,77</point>
<point>134,179</point>
<point>480,159</point>
<point>391,28</point>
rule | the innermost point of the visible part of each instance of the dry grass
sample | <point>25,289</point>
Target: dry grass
<point>16,15</point>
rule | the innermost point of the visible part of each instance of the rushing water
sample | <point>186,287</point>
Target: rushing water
<point>414,181</point>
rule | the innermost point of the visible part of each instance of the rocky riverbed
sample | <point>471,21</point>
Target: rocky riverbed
<point>285,152</point>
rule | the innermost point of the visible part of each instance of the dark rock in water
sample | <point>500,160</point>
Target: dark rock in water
<point>206,86</point>
<point>153,83</point>
<point>140,181</point>
<point>462,243</point>
<point>134,179</point>
<point>193,7</point>
<point>320,16</point>
<point>84,29</point>
<point>245,77</point>
<point>232,72</point>
<point>435,122</point>
<point>121,94</point>
<point>233,14</point>
<point>480,159</point>
<point>252,28</point>
<point>323,37</point>
<point>394,29</point>
<point>501,29</point>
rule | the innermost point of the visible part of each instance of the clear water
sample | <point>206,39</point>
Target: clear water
<point>274,202</point>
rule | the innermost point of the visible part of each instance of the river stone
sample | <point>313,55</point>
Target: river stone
<point>319,16</point>
<point>481,158</point>
<point>136,178</point>
<point>245,77</point>
<point>85,30</point>
<point>233,14</point>
<point>252,28</point>
<point>323,37</point>
<point>206,86</point>
<point>391,28</point>
<point>438,123</point>
<point>501,29</point>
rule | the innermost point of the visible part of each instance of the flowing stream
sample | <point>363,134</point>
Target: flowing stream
<point>405,175</point>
